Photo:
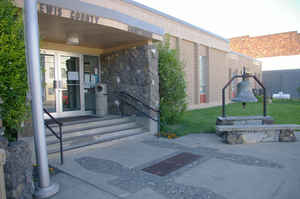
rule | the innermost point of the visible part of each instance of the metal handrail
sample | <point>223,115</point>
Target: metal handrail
<point>55,120</point>
<point>59,137</point>
<point>122,94</point>
<point>140,101</point>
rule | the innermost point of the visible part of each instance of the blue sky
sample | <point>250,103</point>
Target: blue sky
<point>230,18</point>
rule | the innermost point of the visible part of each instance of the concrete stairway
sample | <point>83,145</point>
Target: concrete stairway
<point>87,132</point>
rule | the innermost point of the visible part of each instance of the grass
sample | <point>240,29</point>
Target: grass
<point>204,120</point>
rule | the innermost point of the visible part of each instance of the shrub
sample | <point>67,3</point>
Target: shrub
<point>172,85</point>
<point>13,75</point>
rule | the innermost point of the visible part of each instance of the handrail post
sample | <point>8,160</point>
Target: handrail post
<point>61,145</point>
<point>158,124</point>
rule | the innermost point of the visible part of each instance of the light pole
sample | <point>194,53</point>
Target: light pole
<point>46,188</point>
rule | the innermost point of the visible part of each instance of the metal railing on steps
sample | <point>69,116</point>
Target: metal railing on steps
<point>59,135</point>
<point>123,95</point>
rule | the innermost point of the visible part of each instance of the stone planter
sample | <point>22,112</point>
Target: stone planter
<point>17,169</point>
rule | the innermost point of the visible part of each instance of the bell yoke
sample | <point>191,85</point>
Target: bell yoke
<point>244,92</point>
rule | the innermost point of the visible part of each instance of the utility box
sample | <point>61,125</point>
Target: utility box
<point>101,100</point>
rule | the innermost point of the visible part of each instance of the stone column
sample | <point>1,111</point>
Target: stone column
<point>2,183</point>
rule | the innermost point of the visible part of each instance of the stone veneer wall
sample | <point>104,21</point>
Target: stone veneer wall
<point>135,71</point>
<point>17,169</point>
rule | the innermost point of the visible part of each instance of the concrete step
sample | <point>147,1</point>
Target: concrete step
<point>84,141</point>
<point>85,132</point>
<point>89,124</point>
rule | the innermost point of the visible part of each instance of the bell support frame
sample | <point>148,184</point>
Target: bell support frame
<point>244,76</point>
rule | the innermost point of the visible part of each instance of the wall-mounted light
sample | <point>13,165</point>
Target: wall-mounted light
<point>73,39</point>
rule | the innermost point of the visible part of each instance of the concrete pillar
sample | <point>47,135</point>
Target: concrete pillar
<point>2,182</point>
<point>196,72</point>
<point>178,47</point>
<point>32,39</point>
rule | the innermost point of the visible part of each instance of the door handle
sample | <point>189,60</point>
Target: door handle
<point>54,84</point>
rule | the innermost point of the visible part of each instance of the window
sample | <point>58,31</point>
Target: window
<point>203,78</point>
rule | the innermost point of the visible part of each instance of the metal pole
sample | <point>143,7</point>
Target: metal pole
<point>158,124</point>
<point>265,97</point>
<point>223,93</point>
<point>45,189</point>
<point>223,102</point>
<point>265,102</point>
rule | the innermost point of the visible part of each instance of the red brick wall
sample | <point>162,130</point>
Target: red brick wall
<point>281,44</point>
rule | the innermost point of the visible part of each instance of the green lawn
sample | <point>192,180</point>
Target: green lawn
<point>204,120</point>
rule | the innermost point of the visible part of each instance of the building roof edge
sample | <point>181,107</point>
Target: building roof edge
<point>137,4</point>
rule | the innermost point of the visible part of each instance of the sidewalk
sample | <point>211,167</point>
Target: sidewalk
<point>260,171</point>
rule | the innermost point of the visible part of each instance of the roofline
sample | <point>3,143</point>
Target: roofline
<point>282,70</point>
<point>267,35</point>
<point>88,8</point>
<point>246,56</point>
<point>137,4</point>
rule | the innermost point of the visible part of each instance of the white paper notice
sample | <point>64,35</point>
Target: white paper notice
<point>93,81</point>
<point>87,77</point>
<point>73,76</point>
<point>87,83</point>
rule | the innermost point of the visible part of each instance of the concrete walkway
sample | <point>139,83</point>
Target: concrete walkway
<point>258,171</point>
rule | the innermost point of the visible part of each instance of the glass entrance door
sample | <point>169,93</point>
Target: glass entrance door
<point>91,78</point>
<point>49,78</point>
<point>69,83</point>
<point>63,83</point>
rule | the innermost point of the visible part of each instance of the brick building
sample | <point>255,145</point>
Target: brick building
<point>276,51</point>
<point>280,57</point>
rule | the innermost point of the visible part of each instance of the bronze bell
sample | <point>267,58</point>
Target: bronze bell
<point>244,93</point>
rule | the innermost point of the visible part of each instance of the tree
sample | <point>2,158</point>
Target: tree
<point>172,85</point>
<point>13,70</point>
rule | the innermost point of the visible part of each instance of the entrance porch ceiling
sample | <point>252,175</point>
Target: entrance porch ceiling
<point>58,29</point>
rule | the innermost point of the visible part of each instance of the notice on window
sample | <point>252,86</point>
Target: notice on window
<point>93,81</point>
<point>73,76</point>
<point>87,83</point>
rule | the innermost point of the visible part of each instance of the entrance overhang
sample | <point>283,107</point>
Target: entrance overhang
<point>94,26</point>
<point>59,30</point>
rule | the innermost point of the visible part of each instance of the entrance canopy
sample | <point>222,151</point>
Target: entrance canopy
<point>80,23</point>
<point>62,30</point>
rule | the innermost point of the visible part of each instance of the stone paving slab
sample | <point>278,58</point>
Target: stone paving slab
<point>129,154</point>
<point>207,140</point>
<point>279,152</point>
<point>234,181</point>
<point>146,194</point>
<point>267,171</point>
<point>72,188</point>
<point>138,152</point>
<point>99,180</point>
